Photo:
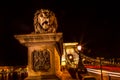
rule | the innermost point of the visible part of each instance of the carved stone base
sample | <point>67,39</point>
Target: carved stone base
<point>44,51</point>
<point>43,77</point>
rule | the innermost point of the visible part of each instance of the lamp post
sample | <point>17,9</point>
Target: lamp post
<point>101,68</point>
<point>79,47</point>
<point>81,68</point>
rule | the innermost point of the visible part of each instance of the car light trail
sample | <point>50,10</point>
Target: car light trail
<point>109,73</point>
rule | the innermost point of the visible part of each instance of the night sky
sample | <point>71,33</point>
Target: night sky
<point>94,24</point>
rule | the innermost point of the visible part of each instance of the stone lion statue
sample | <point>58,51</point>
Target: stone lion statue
<point>45,21</point>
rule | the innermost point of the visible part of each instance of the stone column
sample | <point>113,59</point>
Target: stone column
<point>43,55</point>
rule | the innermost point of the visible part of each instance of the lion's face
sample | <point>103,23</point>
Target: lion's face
<point>46,20</point>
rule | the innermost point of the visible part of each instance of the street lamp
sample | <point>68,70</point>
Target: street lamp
<point>79,47</point>
<point>81,68</point>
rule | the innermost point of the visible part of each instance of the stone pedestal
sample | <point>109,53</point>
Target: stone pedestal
<point>44,51</point>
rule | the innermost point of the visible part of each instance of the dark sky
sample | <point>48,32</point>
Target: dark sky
<point>94,24</point>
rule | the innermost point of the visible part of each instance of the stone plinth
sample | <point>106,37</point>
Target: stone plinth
<point>43,55</point>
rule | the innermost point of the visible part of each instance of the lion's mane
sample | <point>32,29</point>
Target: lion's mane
<point>45,21</point>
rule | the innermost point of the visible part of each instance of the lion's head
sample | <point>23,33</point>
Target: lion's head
<point>45,21</point>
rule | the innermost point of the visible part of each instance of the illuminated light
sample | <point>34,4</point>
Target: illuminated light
<point>63,63</point>
<point>70,57</point>
<point>94,71</point>
<point>114,75</point>
<point>63,59</point>
<point>83,59</point>
<point>67,44</point>
<point>79,47</point>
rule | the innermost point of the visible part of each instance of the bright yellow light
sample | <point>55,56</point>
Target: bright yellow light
<point>63,63</point>
<point>70,57</point>
<point>63,59</point>
<point>70,44</point>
